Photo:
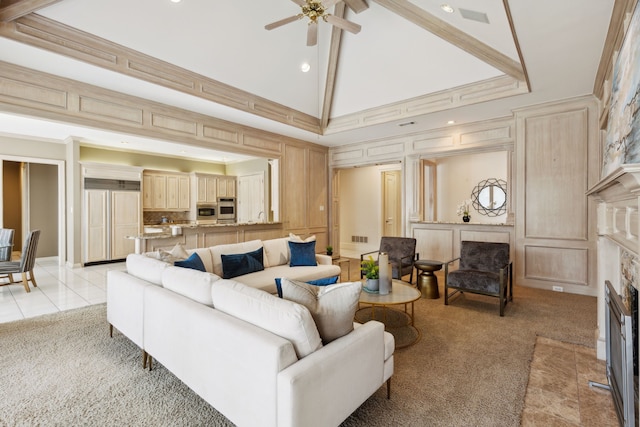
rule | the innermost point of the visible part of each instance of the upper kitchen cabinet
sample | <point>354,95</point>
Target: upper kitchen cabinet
<point>206,188</point>
<point>164,191</point>
<point>227,186</point>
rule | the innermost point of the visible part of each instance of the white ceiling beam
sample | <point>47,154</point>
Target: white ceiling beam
<point>451,34</point>
<point>332,68</point>
<point>14,9</point>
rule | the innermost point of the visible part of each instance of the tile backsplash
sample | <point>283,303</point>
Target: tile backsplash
<point>152,218</point>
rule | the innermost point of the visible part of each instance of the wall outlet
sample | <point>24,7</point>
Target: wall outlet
<point>558,288</point>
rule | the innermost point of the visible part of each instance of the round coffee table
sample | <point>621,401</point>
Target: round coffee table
<point>399,323</point>
<point>427,281</point>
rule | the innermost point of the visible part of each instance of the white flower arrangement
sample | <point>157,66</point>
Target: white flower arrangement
<point>463,208</point>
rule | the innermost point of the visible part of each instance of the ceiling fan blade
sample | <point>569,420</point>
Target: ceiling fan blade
<point>282,22</point>
<point>328,3</point>
<point>312,34</point>
<point>299,2</point>
<point>352,27</point>
<point>357,5</point>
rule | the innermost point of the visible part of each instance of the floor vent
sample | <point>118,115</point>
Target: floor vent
<point>359,239</point>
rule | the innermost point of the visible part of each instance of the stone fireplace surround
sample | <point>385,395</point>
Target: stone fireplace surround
<point>618,201</point>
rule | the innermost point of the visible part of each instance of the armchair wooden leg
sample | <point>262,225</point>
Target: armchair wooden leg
<point>110,330</point>
<point>25,282</point>
<point>145,358</point>
<point>389,388</point>
<point>32,278</point>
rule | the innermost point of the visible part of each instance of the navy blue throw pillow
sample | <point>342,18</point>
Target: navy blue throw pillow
<point>238,264</point>
<point>193,262</point>
<point>302,254</point>
<point>318,282</point>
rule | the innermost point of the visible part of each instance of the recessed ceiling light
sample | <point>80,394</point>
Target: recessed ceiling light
<point>451,122</point>
<point>176,1</point>
<point>446,8</point>
<point>305,67</point>
<point>123,142</point>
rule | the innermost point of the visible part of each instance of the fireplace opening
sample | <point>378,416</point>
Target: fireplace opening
<point>622,355</point>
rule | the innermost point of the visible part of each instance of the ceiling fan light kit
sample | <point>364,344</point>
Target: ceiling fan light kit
<point>314,9</point>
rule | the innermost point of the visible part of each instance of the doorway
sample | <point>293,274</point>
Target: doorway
<point>391,196</point>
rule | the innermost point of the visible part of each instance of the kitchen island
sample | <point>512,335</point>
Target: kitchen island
<point>203,235</point>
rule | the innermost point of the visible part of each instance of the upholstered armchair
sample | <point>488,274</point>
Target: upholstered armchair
<point>26,263</point>
<point>6,243</point>
<point>484,268</point>
<point>401,252</point>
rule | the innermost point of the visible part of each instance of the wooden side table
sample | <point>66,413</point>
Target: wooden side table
<point>338,260</point>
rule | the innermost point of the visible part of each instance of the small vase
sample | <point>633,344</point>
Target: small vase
<point>466,218</point>
<point>373,284</point>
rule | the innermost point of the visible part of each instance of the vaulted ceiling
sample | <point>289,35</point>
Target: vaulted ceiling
<point>412,63</point>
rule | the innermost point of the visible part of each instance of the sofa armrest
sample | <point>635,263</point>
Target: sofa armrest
<point>323,259</point>
<point>340,376</point>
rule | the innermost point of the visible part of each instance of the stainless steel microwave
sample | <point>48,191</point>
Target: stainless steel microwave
<point>207,212</point>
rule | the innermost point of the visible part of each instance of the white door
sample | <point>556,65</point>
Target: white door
<point>251,207</point>
<point>95,208</point>
<point>391,203</point>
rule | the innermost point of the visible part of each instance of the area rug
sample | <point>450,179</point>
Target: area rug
<point>470,367</point>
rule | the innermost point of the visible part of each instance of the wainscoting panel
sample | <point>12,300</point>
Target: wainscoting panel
<point>557,265</point>
<point>434,244</point>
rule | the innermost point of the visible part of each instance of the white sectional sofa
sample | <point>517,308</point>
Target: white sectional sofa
<point>256,358</point>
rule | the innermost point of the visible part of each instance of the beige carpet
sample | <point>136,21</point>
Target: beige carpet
<point>470,368</point>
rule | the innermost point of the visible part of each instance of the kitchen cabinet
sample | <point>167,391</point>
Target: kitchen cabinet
<point>206,188</point>
<point>165,191</point>
<point>227,186</point>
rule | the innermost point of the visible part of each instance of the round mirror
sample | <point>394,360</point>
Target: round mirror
<point>490,197</point>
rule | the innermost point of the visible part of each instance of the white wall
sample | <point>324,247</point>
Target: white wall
<point>361,208</point>
<point>457,177</point>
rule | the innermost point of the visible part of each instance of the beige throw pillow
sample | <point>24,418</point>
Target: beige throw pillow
<point>298,239</point>
<point>332,307</point>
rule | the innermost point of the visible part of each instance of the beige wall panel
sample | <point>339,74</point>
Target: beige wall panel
<point>437,142</point>
<point>294,187</point>
<point>564,265</point>
<point>386,149</point>
<point>555,179</point>
<point>173,124</point>
<point>440,102</point>
<point>484,236</point>
<point>347,155</point>
<point>29,93</point>
<point>322,240</point>
<point>502,134</point>
<point>262,234</point>
<point>382,116</point>
<point>318,185</point>
<point>220,134</point>
<point>262,143</point>
<point>156,75</point>
<point>434,244</point>
<point>110,110</point>
<point>271,111</point>
<point>217,238</point>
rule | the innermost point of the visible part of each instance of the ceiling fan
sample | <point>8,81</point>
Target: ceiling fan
<point>317,9</point>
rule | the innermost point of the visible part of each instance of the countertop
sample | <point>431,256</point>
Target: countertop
<point>166,228</point>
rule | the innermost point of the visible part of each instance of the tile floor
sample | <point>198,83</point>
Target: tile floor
<point>59,288</point>
<point>558,393</point>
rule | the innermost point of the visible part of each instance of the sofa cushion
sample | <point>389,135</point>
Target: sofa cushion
<point>233,248</point>
<point>265,279</point>
<point>276,252</point>
<point>318,282</point>
<point>302,254</point>
<point>146,268</point>
<point>332,307</point>
<point>287,319</point>
<point>239,264</point>
<point>176,253</point>
<point>194,262</point>
<point>296,238</point>
<point>190,283</point>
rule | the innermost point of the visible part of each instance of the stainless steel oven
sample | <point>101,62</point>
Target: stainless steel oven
<point>226,209</point>
<point>207,213</point>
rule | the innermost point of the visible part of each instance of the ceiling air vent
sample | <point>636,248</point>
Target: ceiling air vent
<point>474,16</point>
